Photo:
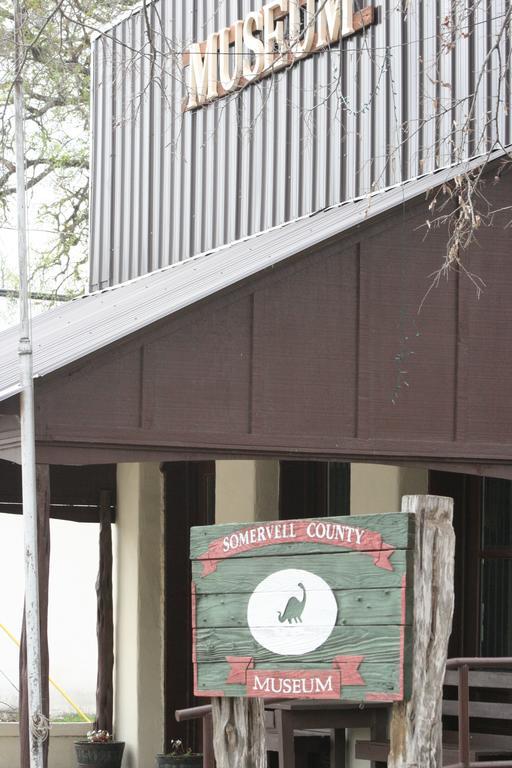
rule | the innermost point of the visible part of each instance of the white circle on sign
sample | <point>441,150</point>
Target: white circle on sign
<point>292,612</point>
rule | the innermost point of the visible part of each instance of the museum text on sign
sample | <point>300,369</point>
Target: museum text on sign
<point>315,608</point>
<point>266,41</point>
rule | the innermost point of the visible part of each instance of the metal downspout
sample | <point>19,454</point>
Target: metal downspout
<point>38,727</point>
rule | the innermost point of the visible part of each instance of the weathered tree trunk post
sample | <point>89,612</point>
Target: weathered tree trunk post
<point>416,728</point>
<point>105,621</point>
<point>239,732</point>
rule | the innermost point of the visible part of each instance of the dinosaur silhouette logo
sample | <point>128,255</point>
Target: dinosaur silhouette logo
<point>291,612</point>
<point>294,608</point>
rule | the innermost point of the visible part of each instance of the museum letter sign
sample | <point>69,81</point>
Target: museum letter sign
<point>316,608</point>
<point>265,41</point>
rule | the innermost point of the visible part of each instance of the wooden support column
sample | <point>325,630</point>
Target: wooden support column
<point>105,621</point>
<point>43,550</point>
<point>239,732</point>
<point>416,728</point>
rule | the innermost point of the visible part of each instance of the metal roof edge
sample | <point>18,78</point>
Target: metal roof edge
<point>378,202</point>
<point>8,392</point>
<point>412,188</point>
<point>332,225</point>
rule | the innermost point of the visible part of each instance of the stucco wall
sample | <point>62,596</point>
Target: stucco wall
<point>378,488</point>
<point>139,703</point>
<point>246,490</point>
<point>62,739</point>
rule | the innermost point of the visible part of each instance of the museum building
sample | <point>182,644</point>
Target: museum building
<point>264,338</point>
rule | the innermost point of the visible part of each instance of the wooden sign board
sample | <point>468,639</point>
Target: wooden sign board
<point>307,609</point>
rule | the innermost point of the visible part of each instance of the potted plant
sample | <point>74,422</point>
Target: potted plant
<point>179,757</point>
<point>99,749</point>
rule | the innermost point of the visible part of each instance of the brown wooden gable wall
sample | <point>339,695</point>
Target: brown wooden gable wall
<point>325,355</point>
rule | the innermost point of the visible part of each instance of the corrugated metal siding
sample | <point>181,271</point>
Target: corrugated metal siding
<point>380,108</point>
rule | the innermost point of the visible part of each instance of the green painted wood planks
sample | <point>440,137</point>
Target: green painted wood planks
<point>356,607</point>
<point>376,644</point>
<point>342,570</point>
<point>317,608</point>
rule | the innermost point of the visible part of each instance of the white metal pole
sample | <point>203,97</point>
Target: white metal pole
<point>28,452</point>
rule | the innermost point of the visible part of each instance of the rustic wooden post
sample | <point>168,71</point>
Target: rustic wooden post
<point>239,732</point>
<point>43,552</point>
<point>416,728</point>
<point>105,621</point>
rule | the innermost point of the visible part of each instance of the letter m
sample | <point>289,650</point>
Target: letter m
<point>259,685</point>
<point>323,686</point>
<point>331,15</point>
<point>203,84</point>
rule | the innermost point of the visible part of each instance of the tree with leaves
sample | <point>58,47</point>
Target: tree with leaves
<point>56,73</point>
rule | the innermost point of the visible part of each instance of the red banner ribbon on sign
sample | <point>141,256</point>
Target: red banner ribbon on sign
<point>239,667</point>
<point>298,531</point>
<point>295,683</point>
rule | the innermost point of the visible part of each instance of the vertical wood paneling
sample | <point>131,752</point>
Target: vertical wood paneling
<point>417,360</point>
<point>488,411</point>
<point>461,368</point>
<point>316,329</point>
<point>363,366</point>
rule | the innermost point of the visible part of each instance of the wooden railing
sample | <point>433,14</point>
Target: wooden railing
<point>203,712</point>
<point>457,674</point>
<point>463,667</point>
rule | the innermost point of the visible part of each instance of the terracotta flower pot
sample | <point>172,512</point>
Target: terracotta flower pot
<point>106,754</point>
<point>179,761</point>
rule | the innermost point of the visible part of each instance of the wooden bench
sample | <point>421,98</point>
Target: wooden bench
<point>482,694</point>
<point>298,731</point>
<point>293,727</point>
